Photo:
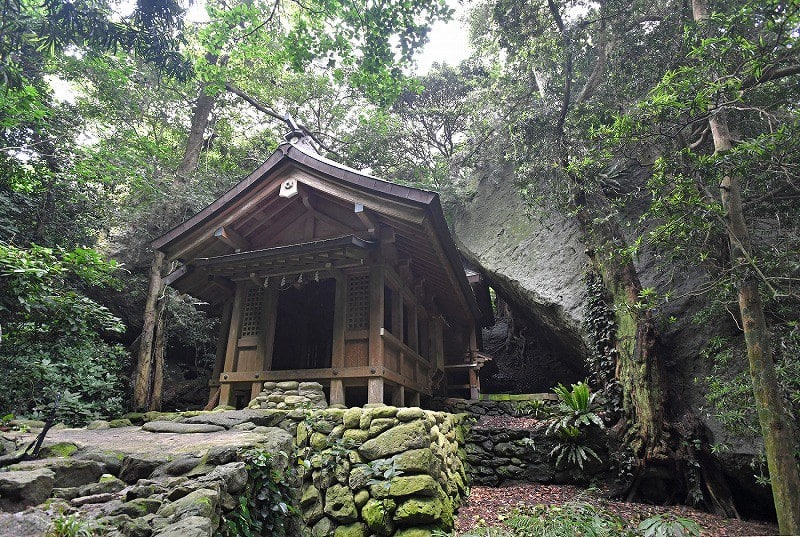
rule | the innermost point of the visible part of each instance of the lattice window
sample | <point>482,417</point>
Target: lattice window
<point>358,302</point>
<point>253,304</point>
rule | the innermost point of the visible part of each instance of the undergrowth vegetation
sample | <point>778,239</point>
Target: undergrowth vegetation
<point>266,506</point>
<point>584,519</point>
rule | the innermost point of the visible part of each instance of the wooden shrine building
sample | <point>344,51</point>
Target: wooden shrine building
<point>324,273</point>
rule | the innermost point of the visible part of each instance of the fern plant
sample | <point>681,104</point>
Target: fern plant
<point>576,407</point>
<point>668,525</point>
<point>571,449</point>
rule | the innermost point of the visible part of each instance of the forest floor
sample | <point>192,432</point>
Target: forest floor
<point>487,506</point>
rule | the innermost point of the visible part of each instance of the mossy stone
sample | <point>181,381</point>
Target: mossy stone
<point>416,511</point>
<point>323,528</point>
<point>378,425</point>
<point>356,529</point>
<point>352,418</point>
<point>415,532</point>
<point>340,505</point>
<point>419,485</point>
<point>122,422</point>
<point>360,498</point>
<point>58,449</point>
<point>356,435</point>
<point>411,435</point>
<point>410,413</point>
<point>415,460</point>
<point>378,515</point>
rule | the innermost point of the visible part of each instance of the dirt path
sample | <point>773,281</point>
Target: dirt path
<point>486,505</point>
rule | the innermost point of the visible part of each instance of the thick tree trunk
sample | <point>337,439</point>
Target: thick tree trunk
<point>778,442</point>
<point>143,376</point>
<point>639,365</point>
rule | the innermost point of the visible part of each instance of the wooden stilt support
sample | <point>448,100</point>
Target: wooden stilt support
<point>399,396</point>
<point>337,392</point>
<point>375,390</point>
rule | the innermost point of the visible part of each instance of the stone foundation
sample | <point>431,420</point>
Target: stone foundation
<point>289,395</point>
<point>381,470</point>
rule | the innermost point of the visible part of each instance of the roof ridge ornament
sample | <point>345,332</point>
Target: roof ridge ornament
<point>298,135</point>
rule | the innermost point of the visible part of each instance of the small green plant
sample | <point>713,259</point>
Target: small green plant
<point>571,518</point>
<point>266,505</point>
<point>571,449</point>
<point>533,409</point>
<point>576,408</point>
<point>668,525</point>
<point>70,526</point>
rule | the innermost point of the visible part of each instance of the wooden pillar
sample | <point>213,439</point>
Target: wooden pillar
<point>255,389</point>
<point>233,340</point>
<point>399,396</point>
<point>338,346</point>
<point>414,399</point>
<point>337,392</point>
<point>473,343</point>
<point>266,343</point>
<point>397,313</point>
<point>474,384</point>
<point>222,340</point>
<point>413,335</point>
<point>375,384</point>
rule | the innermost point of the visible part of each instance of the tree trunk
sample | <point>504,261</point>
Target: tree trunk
<point>778,441</point>
<point>194,143</point>
<point>143,376</point>
<point>638,363</point>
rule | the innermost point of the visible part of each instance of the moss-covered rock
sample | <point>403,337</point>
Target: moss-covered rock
<point>360,498</point>
<point>415,532</point>
<point>340,504</point>
<point>378,515</point>
<point>323,528</point>
<point>356,529</point>
<point>419,485</point>
<point>415,511</point>
<point>411,435</point>
<point>58,449</point>
<point>410,413</point>
<point>415,460</point>
<point>356,435</point>
<point>201,502</point>
<point>351,418</point>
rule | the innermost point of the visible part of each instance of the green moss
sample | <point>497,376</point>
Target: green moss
<point>59,449</point>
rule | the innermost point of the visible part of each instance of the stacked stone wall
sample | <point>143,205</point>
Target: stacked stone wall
<point>374,471</point>
<point>381,471</point>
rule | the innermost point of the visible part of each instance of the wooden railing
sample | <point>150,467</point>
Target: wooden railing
<point>410,366</point>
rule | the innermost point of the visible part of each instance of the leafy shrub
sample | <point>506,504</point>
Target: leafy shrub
<point>668,525</point>
<point>70,526</point>
<point>52,334</point>
<point>88,376</point>
<point>571,449</point>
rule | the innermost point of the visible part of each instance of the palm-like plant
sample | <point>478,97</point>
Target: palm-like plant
<point>576,407</point>
<point>576,410</point>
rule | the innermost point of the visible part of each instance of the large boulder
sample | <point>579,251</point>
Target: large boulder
<point>22,488</point>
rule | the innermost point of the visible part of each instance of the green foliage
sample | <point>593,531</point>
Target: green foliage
<point>70,526</point>
<point>668,525</point>
<point>574,420</point>
<point>571,518</point>
<point>266,506</point>
<point>89,376</point>
<point>576,407</point>
<point>571,449</point>
<point>601,326</point>
<point>52,334</point>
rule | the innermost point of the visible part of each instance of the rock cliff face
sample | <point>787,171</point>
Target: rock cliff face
<point>536,263</point>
